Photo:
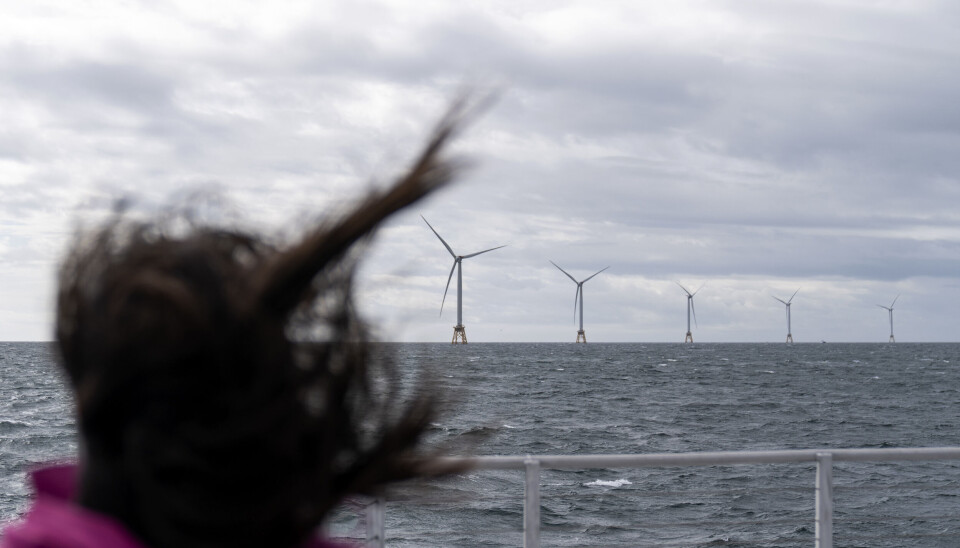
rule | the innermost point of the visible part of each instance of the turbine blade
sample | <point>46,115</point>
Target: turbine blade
<point>450,277</point>
<point>454,255</point>
<point>699,288</point>
<point>694,310</point>
<point>685,290</point>
<point>894,301</point>
<point>779,299</point>
<point>576,296</point>
<point>599,271</point>
<point>568,274</point>
<point>484,251</point>
<point>794,295</point>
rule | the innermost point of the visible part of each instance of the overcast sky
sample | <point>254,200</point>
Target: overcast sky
<point>755,147</point>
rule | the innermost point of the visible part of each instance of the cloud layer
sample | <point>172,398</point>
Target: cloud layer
<point>755,147</point>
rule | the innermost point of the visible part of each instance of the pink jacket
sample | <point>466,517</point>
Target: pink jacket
<point>55,521</point>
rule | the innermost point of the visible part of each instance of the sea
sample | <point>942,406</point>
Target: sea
<point>569,399</point>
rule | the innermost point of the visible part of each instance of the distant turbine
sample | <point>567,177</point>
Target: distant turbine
<point>787,302</point>
<point>690,309</point>
<point>459,332</point>
<point>890,310</point>
<point>578,296</point>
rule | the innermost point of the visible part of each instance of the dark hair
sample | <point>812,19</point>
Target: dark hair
<point>225,388</point>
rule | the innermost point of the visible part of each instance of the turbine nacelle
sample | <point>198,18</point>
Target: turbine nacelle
<point>890,308</point>
<point>788,301</point>
<point>687,291</point>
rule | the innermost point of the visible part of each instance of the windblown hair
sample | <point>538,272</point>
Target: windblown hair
<point>207,416</point>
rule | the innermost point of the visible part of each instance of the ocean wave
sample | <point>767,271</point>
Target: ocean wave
<point>604,483</point>
<point>11,426</point>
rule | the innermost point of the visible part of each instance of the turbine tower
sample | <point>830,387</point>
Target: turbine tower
<point>578,296</point>
<point>890,310</point>
<point>787,303</point>
<point>690,308</point>
<point>459,332</point>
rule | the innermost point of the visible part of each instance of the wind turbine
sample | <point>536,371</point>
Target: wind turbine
<point>578,296</point>
<point>690,309</point>
<point>787,303</point>
<point>890,310</point>
<point>459,333</point>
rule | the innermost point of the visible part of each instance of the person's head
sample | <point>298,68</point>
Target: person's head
<point>224,387</point>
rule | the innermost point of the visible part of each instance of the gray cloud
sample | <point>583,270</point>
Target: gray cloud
<point>756,146</point>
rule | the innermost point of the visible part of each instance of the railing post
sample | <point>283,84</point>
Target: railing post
<point>531,504</point>
<point>824,505</point>
<point>376,514</point>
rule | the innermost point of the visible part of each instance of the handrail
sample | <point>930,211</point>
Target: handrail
<point>823,458</point>
<point>571,462</point>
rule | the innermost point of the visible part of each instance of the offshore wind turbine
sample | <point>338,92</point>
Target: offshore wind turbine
<point>787,303</point>
<point>890,310</point>
<point>690,308</point>
<point>578,296</point>
<point>459,332</point>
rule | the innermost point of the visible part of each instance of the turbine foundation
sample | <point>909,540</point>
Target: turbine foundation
<point>689,337</point>
<point>891,338</point>
<point>581,336</point>
<point>459,335</point>
<point>789,338</point>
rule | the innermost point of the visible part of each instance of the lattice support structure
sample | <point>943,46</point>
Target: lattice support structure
<point>582,336</point>
<point>891,338</point>
<point>689,337</point>
<point>459,335</point>
<point>789,338</point>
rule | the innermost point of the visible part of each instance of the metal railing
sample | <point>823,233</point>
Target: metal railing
<point>532,465</point>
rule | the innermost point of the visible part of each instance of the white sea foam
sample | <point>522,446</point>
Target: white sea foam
<point>603,483</point>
